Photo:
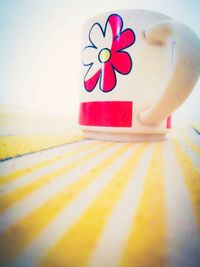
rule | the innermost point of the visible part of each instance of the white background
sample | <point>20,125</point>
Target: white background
<point>40,50</point>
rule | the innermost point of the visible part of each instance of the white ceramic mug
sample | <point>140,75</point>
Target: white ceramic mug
<point>138,66</point>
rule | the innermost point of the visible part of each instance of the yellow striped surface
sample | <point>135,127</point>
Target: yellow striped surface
<point>7,200</point>
<point>148,228</point>
<point>146,241</point>
<point>84,234</point>
<point>12,146</point>
<point>37,166</point>
<point>47,211</point>
<point>191,175</point>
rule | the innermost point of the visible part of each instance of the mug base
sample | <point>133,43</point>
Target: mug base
<point>123,137</point>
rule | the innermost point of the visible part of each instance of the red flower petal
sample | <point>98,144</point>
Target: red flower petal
<point>108,78</point>
<point>124,40</point>
<point>91,82</point>
<point>122,62</point>
<point>116,24</point>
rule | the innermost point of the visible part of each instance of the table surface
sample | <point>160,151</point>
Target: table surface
<point>71,202</point>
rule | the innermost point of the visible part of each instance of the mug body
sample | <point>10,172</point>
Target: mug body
<point>121,74</point>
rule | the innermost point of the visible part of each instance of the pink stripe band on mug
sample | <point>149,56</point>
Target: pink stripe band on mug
<point>106,113</point>
<point>169,122</point>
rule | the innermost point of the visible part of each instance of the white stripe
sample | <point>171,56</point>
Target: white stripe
<point>192,155</point>
<point>36,175</point>
<point>28,160</point>
<point>32,255</point>
<point>183,232</point>
<point>28,204</point>
<point>111,245</point>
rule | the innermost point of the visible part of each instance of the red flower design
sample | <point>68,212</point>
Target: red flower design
<point>106,56</point>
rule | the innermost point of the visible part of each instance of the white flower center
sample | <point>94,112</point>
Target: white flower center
<point>104,55</point>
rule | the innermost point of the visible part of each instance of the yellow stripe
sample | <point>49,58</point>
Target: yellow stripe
<point>146,244</point>
<point>77,244</point>
<point>191,176</point>
<point>11,198</point>
<point>37,166</point>
<point>12,146</point>
<point>18,236</point>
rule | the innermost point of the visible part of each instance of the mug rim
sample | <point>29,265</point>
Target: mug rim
<point>115,11</point>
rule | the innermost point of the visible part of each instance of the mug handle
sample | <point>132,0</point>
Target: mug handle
<point>185,70</point>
